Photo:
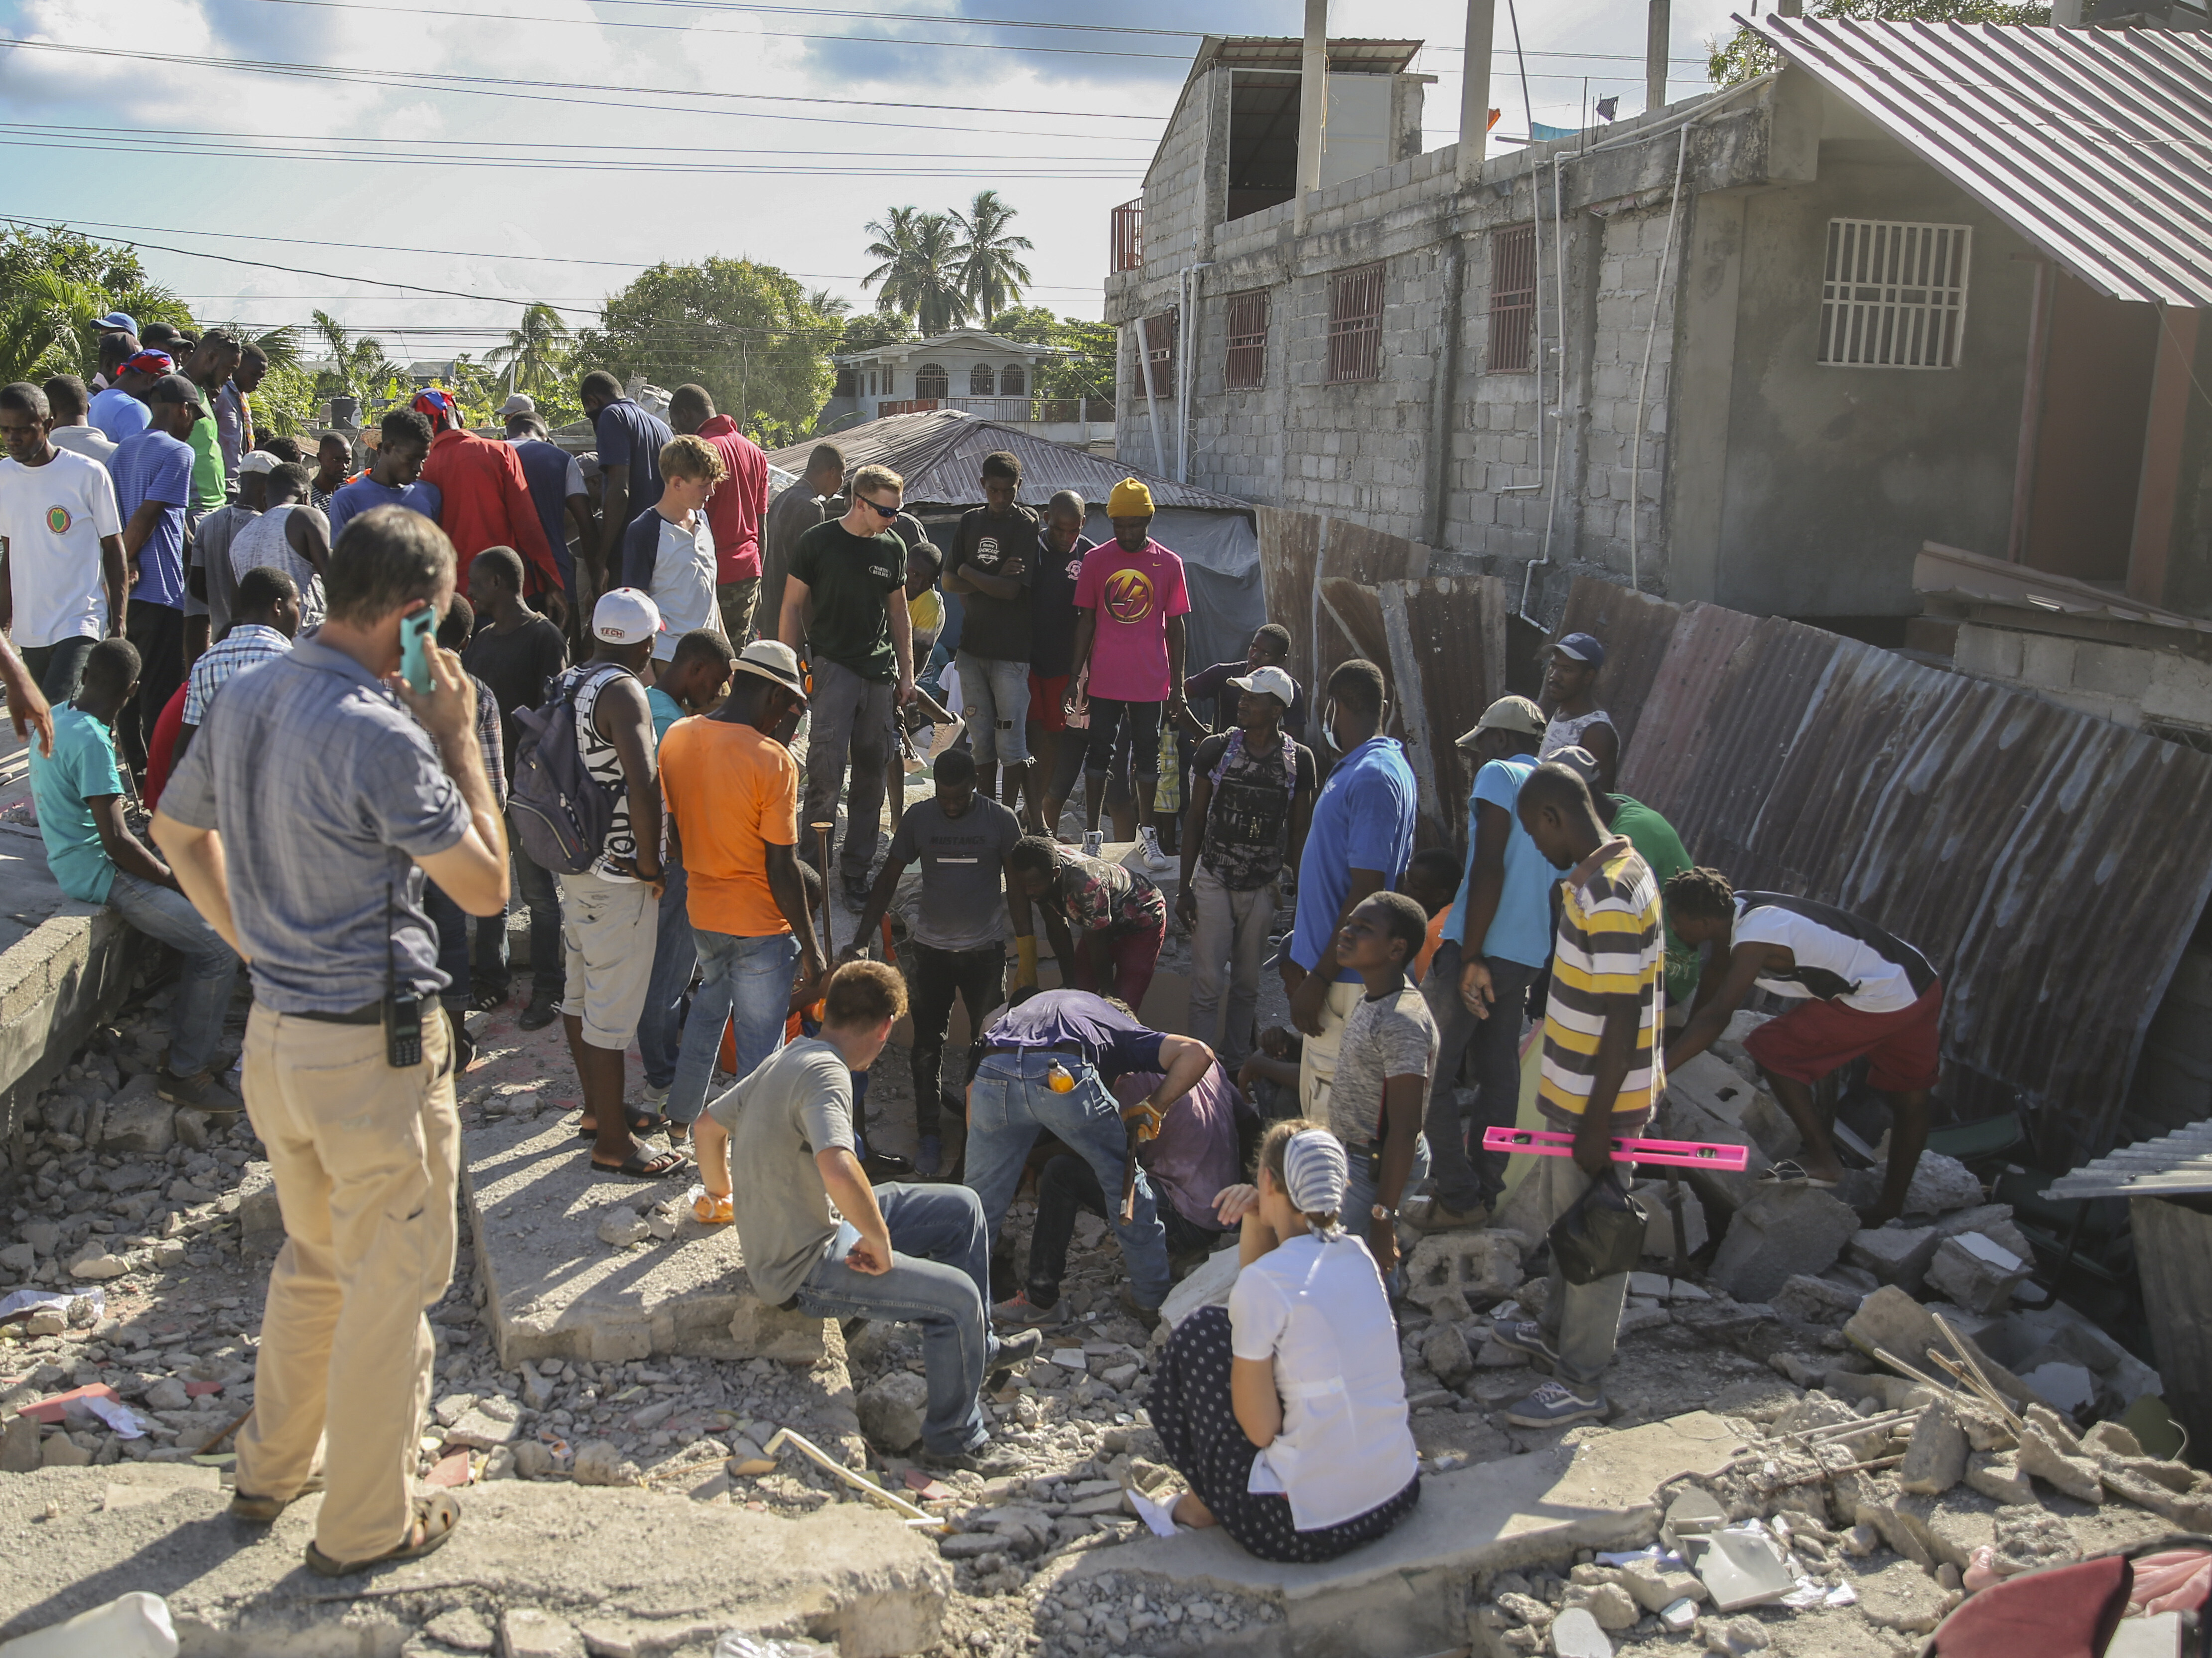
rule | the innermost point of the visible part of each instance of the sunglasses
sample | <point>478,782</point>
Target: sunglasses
<point>888,512</point>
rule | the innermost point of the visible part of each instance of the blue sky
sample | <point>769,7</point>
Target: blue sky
<point>642,154</point>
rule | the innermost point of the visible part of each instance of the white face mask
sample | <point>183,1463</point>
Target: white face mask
<point>1328,728</point>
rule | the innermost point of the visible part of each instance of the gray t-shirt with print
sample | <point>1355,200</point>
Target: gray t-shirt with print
<point>1387,1036</point>
<point>797,1102</point>
<point>963,888</point>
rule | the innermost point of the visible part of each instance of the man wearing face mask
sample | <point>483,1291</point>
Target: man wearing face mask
<point>1359,843</point>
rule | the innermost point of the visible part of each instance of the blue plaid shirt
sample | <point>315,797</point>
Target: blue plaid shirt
<point>324,791</point>
<point>246,645</point>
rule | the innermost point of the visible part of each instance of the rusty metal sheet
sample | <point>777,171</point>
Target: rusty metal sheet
<point>1290,557</point>
<point>1370,557</point>
<point>2044,860</point>
<point>1635,629</point>
<point>1447,642</point>
<point>1350,624</point>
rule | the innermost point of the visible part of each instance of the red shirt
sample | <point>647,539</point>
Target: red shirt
<point>485,503</point>
<point>162,746</point>
<point>733,511</point>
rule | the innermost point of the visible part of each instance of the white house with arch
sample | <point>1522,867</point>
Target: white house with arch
<point>981,374</point>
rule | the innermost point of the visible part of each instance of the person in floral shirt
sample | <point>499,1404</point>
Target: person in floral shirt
<point>1120,915</point>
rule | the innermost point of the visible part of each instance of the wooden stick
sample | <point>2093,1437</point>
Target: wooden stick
<point>868,1489</point>
<point>822,839</point>
<point>1920,1376</point>
<point>1967,1356</point>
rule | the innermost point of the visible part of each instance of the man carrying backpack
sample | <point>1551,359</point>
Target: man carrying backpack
<point>1251,796</point>
<point>587,801</point>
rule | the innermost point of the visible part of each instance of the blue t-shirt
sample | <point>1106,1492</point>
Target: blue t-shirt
<point>1115,1044</point>
<point>1362,821</point>
<point>83,764</point>
<point>358,497</point>
<point>1521,930</point>
<point>665,711</point>
<point>153,466</point>
<point>628,437</point>
<point>118,414</point>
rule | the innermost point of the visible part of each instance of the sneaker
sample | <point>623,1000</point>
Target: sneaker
<point>1526,1336</point>
<point>1014,1351</point>
<point>929,1156</point>
<point>1555,1404</point>
<point>990,1461</point>
<point>1094,841</point>
<point>1156,860</point>
<point>1434,1215</point>
<point>654,1099</point>
<point>541,1011</point>
<point>200,1092</point>
<point>1022,1313</point>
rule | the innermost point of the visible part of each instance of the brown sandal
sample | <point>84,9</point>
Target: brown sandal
<point>263,1510</point>
<point>437,1516</point>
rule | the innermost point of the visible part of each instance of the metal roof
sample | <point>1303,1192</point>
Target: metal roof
<point>1287,52</point>
<point>939,453</point>
<point>2045,861</point>
<point>2094,145</point>
<point>2175,1165</point>
<point>1955,574</point>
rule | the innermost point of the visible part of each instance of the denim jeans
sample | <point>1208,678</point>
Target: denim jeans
<point>548,959</point>
<point>210,967</point>
<point>997,694</point>
<point>935,977</point>
<point>1067,1184</point>
<point>940,1280</point>
<point>660,1027</point>
<point>1467,1177</point>
<point>453,924</point>
<point>1010,1104</point>
<point>1582,1319</point>
<point>745,983</point>
<point>1360,1197</point>
<point>58,669</point>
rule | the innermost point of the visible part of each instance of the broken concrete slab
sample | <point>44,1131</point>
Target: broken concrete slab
<point>1659,1219</point>
<point>138,1120</point>
<point>1456,1274</point>
<point>1706,1100</point>
<point>1901,1596</point>
<point>1997,1477</point>
<point>1940,1185</point>
<point>1404,1595</point>
<point>1895,1254</point>
<point>1779,1234</point>
<point>1976,1271</point>
<point>849,1574</point>
<point>556,1291</point>
<point>1935,1456</point>
<point>1892,1321</point>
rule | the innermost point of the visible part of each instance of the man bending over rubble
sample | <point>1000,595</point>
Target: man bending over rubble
<point>915,1254</point>
<point>1859,993</point>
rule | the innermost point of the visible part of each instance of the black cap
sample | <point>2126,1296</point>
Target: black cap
<point>173,389</point>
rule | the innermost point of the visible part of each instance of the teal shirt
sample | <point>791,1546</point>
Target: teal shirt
<point>667,711</point>
<point>84,766</point>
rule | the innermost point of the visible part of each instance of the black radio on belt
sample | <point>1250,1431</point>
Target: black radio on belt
<point>402,1007</point>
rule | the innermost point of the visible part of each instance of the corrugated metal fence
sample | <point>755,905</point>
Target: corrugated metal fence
<point>2051,864</point>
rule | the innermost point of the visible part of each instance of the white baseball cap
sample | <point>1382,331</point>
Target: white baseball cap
<point>518,404</point>
<point>626,616</point>
<point>1274,682</point>
<point>256,460</point>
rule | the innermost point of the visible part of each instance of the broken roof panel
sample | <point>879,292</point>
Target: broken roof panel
<point>2094,145</point>
<point>2176,1165</point>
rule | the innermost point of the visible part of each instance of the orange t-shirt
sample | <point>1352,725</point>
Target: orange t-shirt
<point>1429,950</point>
<point>734,792</point>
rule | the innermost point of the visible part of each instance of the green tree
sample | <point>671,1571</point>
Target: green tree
<point>55,285</point>
<point>1085,364</point>
<point>360,369</point>
<point>990,275</point>
<point>537,353</point>
<point>872,328</point>
<point>1746,54</point>
<point>751,334</point>
<point>284,402</point>
<point>1032,324</point>
<point>920,269</point>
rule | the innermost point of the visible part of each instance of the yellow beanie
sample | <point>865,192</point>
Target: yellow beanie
<point>1130,499</point>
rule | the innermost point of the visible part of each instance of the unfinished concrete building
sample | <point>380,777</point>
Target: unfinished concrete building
<point>1919,282</point>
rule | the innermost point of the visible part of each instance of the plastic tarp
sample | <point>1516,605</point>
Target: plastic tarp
<point>1220,554</point>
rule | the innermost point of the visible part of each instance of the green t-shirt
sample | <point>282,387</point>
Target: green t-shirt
<point>84,766</point>
<point>208,479</point>
<point>1658,845</point>
<point>846,577</point>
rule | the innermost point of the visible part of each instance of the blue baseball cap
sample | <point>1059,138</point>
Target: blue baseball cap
<point>117,322</point>
<point>1583,648</point>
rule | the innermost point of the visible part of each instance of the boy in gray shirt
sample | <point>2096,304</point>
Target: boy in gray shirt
<point>916,1254</point>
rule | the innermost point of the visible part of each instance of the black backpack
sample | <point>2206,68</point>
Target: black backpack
<point>561,812</point>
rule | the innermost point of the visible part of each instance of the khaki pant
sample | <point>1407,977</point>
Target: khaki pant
<point>365,1160</point>
<point>1317,1059</point>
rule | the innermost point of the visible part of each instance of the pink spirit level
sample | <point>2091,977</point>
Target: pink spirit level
<point>1680,1154</point>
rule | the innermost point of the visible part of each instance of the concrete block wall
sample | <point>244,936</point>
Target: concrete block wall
<point>2132,686</point>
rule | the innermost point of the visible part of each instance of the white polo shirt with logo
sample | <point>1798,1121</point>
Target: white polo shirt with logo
<point>52,519</point>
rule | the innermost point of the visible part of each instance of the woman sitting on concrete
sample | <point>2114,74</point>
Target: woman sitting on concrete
<point>1286,1411</point>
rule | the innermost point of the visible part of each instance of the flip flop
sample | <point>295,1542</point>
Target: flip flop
<point>1790,1172</point>
<point>645,1123</point>
<point>263,1510</point>
<point>437,1515</point>
<point>637,1166</point>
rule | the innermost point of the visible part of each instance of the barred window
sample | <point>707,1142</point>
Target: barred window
<point>1160,333</point>
<point>931,381</point>
<point>1247,366</point>
<point>1512,299</point>
<point>982,380</point>
<point>1012,382</point>
<point>1894,295</point>
<point>848,383</point>
<point>1355,324</point>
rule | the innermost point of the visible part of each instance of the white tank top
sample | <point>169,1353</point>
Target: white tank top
<point>1566,731</point>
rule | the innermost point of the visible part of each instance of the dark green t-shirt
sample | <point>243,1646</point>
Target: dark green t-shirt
<point>846,577</point>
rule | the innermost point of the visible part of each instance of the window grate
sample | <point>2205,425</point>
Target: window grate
<point>1160,333</point>
<point>982,380</point>
<point>1247,367</point>
<point>1512,299</point>
<point>929,380</point>
<point>1012,382</point>
<point>1894,295</point>
<point>1355,324</point>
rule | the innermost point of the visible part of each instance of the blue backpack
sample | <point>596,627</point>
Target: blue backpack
<point>561,812</point>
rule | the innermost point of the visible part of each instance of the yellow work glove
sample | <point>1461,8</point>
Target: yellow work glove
<point>1025,967</point>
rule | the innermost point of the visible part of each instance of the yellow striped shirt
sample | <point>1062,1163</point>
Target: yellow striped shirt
<point>1610,944</point>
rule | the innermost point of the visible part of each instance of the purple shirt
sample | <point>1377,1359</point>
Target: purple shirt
<point>1195,1153</point>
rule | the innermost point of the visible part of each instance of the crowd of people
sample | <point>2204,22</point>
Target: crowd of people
<point>367,705</point>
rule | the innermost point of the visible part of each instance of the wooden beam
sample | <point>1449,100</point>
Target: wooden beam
<point>2166,422</point>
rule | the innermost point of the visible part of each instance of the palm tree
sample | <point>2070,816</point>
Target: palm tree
<point>990,275</point>
<point>280,345</point>
<point>919,273</point>
<point>358,365</point>
<point>823,303</point>
<point>537,348</point>
<point>45,326</point>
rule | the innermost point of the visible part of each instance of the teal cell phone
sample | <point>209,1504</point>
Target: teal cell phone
<point>414,633</point>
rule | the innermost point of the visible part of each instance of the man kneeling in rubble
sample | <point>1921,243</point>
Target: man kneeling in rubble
<point>913,1255</point>
<point>1859,993</point>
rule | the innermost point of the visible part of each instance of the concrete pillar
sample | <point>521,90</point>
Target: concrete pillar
<point>1474,91</point>
<point>1313,105</point>
<point>1657,30</point>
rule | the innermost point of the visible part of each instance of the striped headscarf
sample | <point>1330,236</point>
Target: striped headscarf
<point>1315,1174</point>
